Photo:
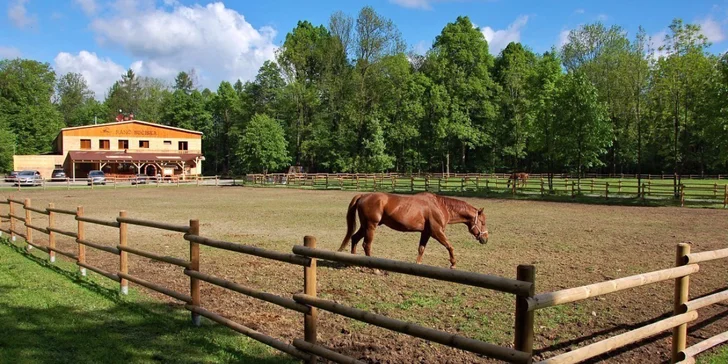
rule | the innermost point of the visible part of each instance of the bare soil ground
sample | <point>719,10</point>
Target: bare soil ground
<point>570,245</point>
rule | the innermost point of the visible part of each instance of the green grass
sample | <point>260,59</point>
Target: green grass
<point>719,356</point>
<point>50,315</point>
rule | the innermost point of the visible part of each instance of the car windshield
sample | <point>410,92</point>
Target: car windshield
<point>96,174</point>
<point>26,173</point>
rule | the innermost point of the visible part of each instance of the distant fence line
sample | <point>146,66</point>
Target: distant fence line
<point>307,303</point>
<point>499,183</point>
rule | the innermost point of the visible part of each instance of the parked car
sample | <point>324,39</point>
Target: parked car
<point>96,178</point>
<point>10,177</point>
<point>29,178</point>
<point>58,175</point>
<point>140,179</point>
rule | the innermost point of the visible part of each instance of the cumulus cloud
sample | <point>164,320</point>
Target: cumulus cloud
<point>9,52</point>
<point>711,29</point>
<point>213,39</point>
<point>499,39</point>
<point>89,7</point>
<point>18,14</point>
<point>100,73</point>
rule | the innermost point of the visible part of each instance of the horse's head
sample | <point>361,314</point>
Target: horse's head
<point>478,227</point>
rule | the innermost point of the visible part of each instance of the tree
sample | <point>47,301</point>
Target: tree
<point>124,95</point>
<point>186,81</point>
<point>583,123</point>
<point>546,129</point>
<point>514,71</point>
<point>7,149</point>
<point>460,63</point>
<point>72,95</point>
<point>262,145</point>
<point>26,90</point>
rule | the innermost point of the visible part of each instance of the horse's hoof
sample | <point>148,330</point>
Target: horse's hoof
<point>452,266</point>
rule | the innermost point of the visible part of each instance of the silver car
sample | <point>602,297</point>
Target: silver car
<point>96,178</point>
<point>28,178</point>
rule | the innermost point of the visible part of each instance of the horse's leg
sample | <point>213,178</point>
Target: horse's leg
<point>356,238</point>
<point>424,238</point>
<point>439,235</point>
<point>368,238</point>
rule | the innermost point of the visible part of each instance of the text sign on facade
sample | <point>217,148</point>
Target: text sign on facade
<point>129,132</point>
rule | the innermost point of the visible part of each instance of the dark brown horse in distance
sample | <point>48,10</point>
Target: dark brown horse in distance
<point>424,212</point>
<point>515,177</point>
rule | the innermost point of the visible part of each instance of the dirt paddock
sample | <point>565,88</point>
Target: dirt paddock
<point>570,245</point>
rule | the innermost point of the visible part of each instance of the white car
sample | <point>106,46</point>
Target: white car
<point>28,178</point>
<point>96,178</point>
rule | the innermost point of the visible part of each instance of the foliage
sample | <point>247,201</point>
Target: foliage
<point>349,99</point>
<point>262,145</point>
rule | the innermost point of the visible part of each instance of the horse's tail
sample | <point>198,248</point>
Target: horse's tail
<point>350,221</point>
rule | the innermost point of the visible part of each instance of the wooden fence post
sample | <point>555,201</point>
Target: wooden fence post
<point>412,183</point>
<point>573,189</point>
<point>11,212</point>
<point>462,184</point>
<point>644,185</point>
<point>620,186</point>
<point>81,236</point>
<point>28,222</point>
<point>715,190</point>
<point>51,235</point>
<point>542,189</point>
<point>682,195</point>
<point>606,191</point>
<point>680,333</point>
<point>123,255</point>
<point>725,196</point>
<point>524,319</point>
<point>592,186</point>
<point>195,266</point>
<point>309,288</point>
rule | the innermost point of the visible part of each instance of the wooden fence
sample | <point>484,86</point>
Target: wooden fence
<point>121,181</point>
<point>494,183</point>
<point>307,303</point>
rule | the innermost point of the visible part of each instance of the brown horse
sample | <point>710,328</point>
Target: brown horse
<point>515,177</point>
<point>424,212</point>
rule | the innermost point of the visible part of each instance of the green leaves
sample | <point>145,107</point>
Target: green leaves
<point>262,146</point>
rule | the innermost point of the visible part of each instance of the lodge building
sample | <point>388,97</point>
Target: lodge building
<point>122,148</point>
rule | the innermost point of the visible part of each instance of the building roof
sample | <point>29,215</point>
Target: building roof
<point>121,157</point>
<point>131,122</point>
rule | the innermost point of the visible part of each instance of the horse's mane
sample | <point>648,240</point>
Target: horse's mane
<point>454,205</point>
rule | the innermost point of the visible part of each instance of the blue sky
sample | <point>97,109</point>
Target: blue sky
<point>227,40</point>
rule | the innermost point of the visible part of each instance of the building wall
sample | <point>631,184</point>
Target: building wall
<point>45,164</point>
<point>155,144</point>
<point>134,133</point>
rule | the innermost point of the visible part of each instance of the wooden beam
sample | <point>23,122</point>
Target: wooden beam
<point>444,274</point>
<point>456,341</point>
<point>549,299</point>
<point>615,342</point>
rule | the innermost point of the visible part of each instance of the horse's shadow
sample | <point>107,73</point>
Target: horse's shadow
<point>332,264</point>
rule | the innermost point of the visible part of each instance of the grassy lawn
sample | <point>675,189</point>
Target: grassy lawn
<point>49,315</point>
<point>719,356</point>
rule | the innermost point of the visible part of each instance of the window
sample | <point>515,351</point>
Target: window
<point>144,144</point>
<point>85,143</point>
<point>104,144</point>
<point>123,144</point>
<point>182,145</point>
<point>167,142</point>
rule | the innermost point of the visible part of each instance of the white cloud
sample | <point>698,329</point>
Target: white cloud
<point>89,7</point>
<point>499,39</point>
<point>712,30</point>
<point>657,40</point>
<point>564,37</point>
<point>9,52</point>
<point>579,11</point>
<point>18,14</point>
<point>100,73</point>
<point>212,39</point>
<point>602,17</point>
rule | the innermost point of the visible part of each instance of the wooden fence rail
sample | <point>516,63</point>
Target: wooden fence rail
<point>307,303</point>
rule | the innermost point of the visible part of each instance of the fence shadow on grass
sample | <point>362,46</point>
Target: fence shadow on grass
<point>122,332</point>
